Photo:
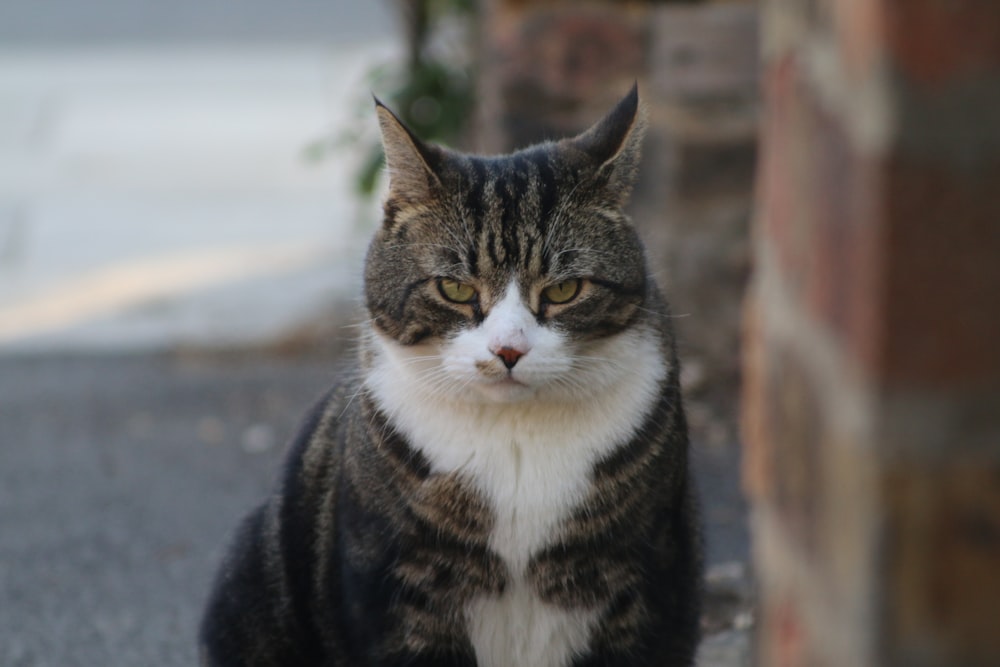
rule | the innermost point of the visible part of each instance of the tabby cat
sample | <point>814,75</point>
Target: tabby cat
<point>504,480</point>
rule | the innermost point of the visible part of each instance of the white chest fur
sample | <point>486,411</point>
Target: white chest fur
<point>532,461</point>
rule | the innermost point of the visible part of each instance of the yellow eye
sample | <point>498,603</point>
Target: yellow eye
<point>563,292</point>
<point>455,291</point>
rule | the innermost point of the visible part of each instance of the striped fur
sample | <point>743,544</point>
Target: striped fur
<point>446,504</point>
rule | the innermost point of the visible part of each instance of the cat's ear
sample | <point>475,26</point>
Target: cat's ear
<point>614,144</point>
<point>410,163</point>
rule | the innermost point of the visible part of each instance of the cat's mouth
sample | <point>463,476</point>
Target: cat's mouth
<point>507,389</point>
<point>508,381</point>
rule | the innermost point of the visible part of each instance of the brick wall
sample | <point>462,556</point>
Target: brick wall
<point>872,335</point>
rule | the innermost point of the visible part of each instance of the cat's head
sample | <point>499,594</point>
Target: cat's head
<point>513,277</point>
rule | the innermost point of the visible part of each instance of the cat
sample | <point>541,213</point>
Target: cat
<point>503,479</point>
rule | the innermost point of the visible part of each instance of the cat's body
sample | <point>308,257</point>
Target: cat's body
<point>504,481</point>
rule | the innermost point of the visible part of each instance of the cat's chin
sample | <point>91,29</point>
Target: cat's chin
<point>507,390</point>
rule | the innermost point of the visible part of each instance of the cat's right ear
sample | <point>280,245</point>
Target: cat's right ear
<point>409,162</point>
<point>614,144</point>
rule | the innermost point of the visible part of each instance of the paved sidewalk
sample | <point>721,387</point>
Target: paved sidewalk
<point>162,195</point>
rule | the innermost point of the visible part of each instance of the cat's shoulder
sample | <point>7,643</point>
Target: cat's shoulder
<point>318,443</point>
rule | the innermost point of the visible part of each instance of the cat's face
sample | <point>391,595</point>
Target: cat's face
<point>509,278</point>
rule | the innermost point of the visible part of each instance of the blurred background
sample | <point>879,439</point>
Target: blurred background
<point>186,192</point>
<point>156,157</point>
<point>187,188</point>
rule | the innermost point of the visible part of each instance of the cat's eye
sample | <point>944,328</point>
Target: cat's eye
<point>562,292</point>
<point>457,292</point>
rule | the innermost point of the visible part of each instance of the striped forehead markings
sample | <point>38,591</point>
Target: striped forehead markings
<point>500,196</point>
<point>474,196</point>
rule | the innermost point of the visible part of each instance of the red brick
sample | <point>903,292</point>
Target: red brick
<point>576,54</point>
<point>897,256</point>
<point>859,26</point>
<point>937,41</point>
<point>549,69</point>
<point>889,519</point>
<point>789,635</point>
<point>756,473</point>
<point>780,174</point>
<point>943,547</point>
<point>942,299</point>
<point>841,284</point>
<point>784,437</point>
<point>820,205</point>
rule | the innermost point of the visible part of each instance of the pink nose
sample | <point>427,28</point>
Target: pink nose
<point>509,356</point>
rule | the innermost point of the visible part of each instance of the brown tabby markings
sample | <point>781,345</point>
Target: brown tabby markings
<point>369,555</point>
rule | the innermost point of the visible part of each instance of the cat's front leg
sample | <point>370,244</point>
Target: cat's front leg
<point>249,620</point>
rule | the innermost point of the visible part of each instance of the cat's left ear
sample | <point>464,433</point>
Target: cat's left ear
<point>614,143</point>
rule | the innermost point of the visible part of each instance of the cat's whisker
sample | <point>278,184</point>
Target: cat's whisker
<point>559,215</point>
<point>573,385</point>
<point>438,385</point>
<point>414,244</point>
<point>592,357</point>
<point>363,324</point>
<point>465,385</point>
<point>620,369</point>
<point>436,381</point>
<point>459,245</point>
<point>420,358</point>
<point>351,399</point>
<point>587,253</point>
<point>660,313</point>
<point>453,269</point>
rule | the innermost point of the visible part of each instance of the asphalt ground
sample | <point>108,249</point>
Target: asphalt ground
<point>122,476</point>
